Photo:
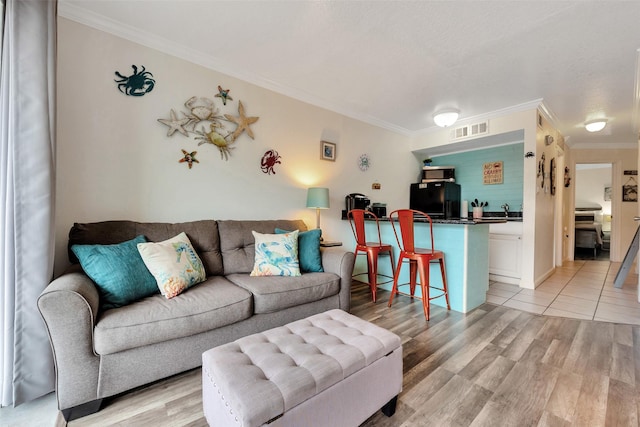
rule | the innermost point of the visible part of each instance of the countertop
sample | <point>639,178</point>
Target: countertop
<point>461,221</point>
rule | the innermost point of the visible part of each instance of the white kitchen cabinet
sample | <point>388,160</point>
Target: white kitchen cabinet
<point>505,253</point>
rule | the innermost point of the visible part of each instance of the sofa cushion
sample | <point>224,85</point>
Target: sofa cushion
<point>202,234</point>
<point>174,264</point>
<point>273,293</point>
<point>237,242</point>
<point>214,303</point>
<point>308,250</point>
<point>118,272</point>
<point>276,254</point>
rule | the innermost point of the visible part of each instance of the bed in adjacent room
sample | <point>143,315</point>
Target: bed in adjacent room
<point>588,227</point>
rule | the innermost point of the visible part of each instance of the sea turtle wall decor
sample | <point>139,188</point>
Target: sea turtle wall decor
<point>203,120</point>
<point>137,84</point>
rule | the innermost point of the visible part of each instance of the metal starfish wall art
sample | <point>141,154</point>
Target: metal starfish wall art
<point>224,95</point>
<point>242,122</point>
<point>175,124</point>
<point>189,158</point>
<point>201,110</point>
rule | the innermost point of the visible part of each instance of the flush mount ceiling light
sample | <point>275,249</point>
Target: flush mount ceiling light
<point>595,125</point>
<point>444,118</point>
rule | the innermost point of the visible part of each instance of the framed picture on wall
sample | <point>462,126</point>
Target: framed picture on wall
<point>328,151</point>
<point>629,193</point>
<point>607,194</point>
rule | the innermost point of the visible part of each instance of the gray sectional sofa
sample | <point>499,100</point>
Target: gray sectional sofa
<point>103,352</point>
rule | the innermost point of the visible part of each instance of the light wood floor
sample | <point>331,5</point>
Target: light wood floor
<point>496,366</point>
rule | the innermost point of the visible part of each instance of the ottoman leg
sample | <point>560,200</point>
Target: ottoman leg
<point>390,408</point>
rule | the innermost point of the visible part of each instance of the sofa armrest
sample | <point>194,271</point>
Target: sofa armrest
<point>69,306</point>
<point>338,261</point>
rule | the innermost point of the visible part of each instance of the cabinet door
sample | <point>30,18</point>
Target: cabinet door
<point>505,255</point>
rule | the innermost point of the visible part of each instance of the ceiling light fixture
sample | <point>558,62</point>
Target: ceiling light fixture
<point>595,125</point>
<point>444,118</point>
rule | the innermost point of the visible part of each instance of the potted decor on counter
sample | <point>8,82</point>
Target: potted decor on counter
<point>478,208</point>
<point>427,161</point>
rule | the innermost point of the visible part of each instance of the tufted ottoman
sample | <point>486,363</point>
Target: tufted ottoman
<point>330,369</point>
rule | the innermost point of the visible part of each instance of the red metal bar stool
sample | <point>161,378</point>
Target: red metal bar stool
<point>371,249</point>
<point>419,258</point>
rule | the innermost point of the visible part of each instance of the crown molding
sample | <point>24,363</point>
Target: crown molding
<point>100,22</point>
<point>604,146</point>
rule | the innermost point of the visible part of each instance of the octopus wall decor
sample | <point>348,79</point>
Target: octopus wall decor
<point>203,120</point>
<point>268,162</point>
<point>137,84</point>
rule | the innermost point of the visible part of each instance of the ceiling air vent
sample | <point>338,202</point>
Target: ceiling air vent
<point>471,130</point>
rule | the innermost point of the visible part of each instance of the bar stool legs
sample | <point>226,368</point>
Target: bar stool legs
<point>419,258</point>
<point>372,253</point>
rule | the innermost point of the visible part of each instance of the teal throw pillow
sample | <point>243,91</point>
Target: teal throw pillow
<point>118,271</point>
<point>308,250</point>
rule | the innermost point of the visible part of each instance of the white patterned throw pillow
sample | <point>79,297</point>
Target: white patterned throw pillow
<point>276,254</point>
<point>174,264</point>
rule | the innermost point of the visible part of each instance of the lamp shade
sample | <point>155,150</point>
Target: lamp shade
<point>446,118</point>
<point>318,198</point>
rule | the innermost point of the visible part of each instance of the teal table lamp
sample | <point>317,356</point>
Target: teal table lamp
<point>318,198</point>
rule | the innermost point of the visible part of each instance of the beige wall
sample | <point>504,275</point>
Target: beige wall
<point>116,162</point>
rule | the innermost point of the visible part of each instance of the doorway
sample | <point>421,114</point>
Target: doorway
<point>593,211</point>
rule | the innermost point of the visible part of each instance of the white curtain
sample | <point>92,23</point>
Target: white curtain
<point>27,160</point>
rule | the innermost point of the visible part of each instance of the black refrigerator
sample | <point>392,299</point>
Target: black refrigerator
<point>436,199</point>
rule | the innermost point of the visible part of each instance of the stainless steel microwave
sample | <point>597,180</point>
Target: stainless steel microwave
<point>438,173</point>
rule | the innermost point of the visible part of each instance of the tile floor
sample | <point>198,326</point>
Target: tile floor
<point>578,289</point>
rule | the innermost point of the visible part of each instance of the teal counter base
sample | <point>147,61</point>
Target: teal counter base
<point>466,249</point>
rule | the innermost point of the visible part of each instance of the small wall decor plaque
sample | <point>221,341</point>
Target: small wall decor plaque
<point>630,190</point>
<point>492,173</point>
<point>268,162</point>
<point>328,151</point>
<point>137,84</point>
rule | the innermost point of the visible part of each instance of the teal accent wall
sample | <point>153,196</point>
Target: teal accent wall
<point>469,175</point>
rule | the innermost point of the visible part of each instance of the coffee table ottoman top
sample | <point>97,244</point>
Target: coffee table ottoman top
<point>262,376</point>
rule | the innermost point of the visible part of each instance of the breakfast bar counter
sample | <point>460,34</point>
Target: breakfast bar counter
<point>465,243</point>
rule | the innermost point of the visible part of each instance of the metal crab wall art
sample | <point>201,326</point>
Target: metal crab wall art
<point>201,110</point>
<point>137,84</point>
<point>269,160</point>
<point>216,139</point>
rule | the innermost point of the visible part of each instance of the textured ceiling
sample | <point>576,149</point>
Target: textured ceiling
<point>394,63</point>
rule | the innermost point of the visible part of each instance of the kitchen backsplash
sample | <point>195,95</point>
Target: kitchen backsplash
<point>469,174</point>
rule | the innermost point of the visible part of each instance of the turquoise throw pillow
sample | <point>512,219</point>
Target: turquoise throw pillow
<point>308,250</point>
<point>118,271</point>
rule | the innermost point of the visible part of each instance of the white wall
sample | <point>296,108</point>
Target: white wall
<point>114,160</point>
<point>591,181</point>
